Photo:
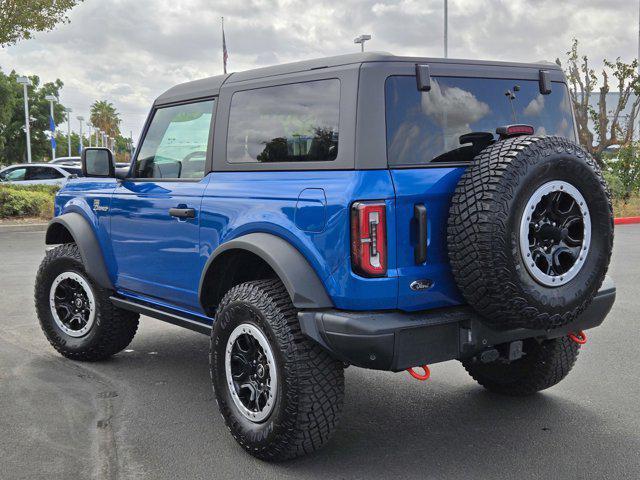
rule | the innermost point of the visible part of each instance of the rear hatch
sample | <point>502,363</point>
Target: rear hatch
<point>431,137</point>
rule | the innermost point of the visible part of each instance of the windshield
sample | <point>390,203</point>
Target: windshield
<point>424,127</point>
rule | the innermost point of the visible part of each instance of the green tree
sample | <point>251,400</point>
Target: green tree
<point>105,117</point>
<point>610,125</point>
<point>20,18</point>
<point>13,144</point>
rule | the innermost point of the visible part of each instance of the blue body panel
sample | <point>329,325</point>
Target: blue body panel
<point>157,258</point>
<point>434,188</point>
<point>156,254</point>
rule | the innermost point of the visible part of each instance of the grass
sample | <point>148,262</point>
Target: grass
<point>629,209</point>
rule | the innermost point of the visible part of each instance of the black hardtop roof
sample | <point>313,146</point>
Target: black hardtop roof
<point>207,87</point>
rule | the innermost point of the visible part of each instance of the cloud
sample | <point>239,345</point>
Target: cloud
<point>535,106</point>
<point>130,51</point>
<point>453,109</point>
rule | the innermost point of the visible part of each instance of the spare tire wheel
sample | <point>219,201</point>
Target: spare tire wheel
<point>530,232</point>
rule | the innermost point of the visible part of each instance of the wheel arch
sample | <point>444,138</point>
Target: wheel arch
<point>261,255</point>
<point>74,228</point>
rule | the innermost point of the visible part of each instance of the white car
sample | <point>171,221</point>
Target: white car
<point>66,160</point>
<point>39,174</point>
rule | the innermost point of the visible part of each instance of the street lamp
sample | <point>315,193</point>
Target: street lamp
<point>52,99</point>
<point>361,39</point>
<point>68,110</point>
<point>446,29</point>
<point>80,119</point>
<point>89,126</point>
<point>25,82</point>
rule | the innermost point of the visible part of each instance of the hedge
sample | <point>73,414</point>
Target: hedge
<point>27,201</point>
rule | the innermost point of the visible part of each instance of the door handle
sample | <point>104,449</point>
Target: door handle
<point>182,212</point>
<point>420,250</point>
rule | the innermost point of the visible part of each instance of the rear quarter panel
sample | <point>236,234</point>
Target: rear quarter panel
<point>239,203</point>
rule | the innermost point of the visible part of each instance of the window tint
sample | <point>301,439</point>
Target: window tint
<point>73,170</point>
<point>425,127</point>
<point>175,145</point>
<point>43,173</point>
<point>286,123</point>
<point>14,174</point>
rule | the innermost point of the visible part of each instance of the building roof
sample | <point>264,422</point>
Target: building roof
<point>207,87</point>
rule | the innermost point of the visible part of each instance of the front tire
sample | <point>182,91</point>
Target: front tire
<point>544,364</point>
<point>280,393</point>
<point>75,314</point>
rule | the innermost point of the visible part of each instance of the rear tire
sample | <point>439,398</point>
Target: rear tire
<point>299,410</point>
<point>107,330</point>
<point>544,364</point>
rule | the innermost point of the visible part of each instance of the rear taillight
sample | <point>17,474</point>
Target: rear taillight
<point>369,238</point>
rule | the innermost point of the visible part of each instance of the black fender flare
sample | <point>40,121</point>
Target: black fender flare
<point>84,237</point>
<point>305,289</point>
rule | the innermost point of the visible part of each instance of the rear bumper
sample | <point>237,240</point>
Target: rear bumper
<point>398,340</point>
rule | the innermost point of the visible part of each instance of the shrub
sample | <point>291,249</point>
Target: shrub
<point>27,201</point>
<point>625,167</point>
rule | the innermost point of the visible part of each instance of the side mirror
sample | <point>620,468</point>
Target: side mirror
<point>98,162</point>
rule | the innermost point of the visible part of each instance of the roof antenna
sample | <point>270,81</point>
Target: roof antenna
<point>512,96</point>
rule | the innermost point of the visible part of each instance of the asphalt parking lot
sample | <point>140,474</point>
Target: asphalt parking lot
<point>149,412</point>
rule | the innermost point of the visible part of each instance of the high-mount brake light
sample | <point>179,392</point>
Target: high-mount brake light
<point>369,238</point>
<point>514,130</point>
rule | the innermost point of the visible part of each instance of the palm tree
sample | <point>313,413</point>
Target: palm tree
<point>105,117</point>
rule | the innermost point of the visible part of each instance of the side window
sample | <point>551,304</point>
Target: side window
<point>43,173</point>
<point>175,145</point>
<point>14,174</point>
<point>285,123</point>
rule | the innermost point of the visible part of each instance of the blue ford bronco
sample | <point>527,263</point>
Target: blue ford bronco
<point>370,210</point>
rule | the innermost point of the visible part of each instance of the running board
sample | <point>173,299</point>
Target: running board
<point>163,315</point>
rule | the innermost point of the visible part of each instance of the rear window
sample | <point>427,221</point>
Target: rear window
<point>285,123</point>
<point>425,127</point>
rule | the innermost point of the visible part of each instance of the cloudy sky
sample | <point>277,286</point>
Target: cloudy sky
<point>130,51</point>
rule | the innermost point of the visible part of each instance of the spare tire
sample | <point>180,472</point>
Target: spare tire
<point>530,232</point>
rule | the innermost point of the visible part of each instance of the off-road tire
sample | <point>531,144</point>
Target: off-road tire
<point>113,328</point>
<point>544,364</point>
<point>310,389</point>
<point>483,232</point>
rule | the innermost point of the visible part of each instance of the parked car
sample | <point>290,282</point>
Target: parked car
<point>39,174</point>
<point>66,160</point>
<point>369,210</point>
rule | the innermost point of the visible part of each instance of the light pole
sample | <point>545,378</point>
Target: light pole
<point>89,125</point>
<point>80,119</point>
<point>52,99</point>
<point>446,29</point>
<point>68,110</point>
<point>97,133</point>
<point>25,82</point>
<point>361,39</point>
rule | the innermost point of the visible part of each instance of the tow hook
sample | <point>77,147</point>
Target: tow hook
<point>417,376</point>
<point>580,338</point>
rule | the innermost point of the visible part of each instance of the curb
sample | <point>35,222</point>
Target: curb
<point>26,227</point>
<point>626,220</point>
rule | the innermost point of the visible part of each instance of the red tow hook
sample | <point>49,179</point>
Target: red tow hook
<point>580,338</point>
<point>417,376</point>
